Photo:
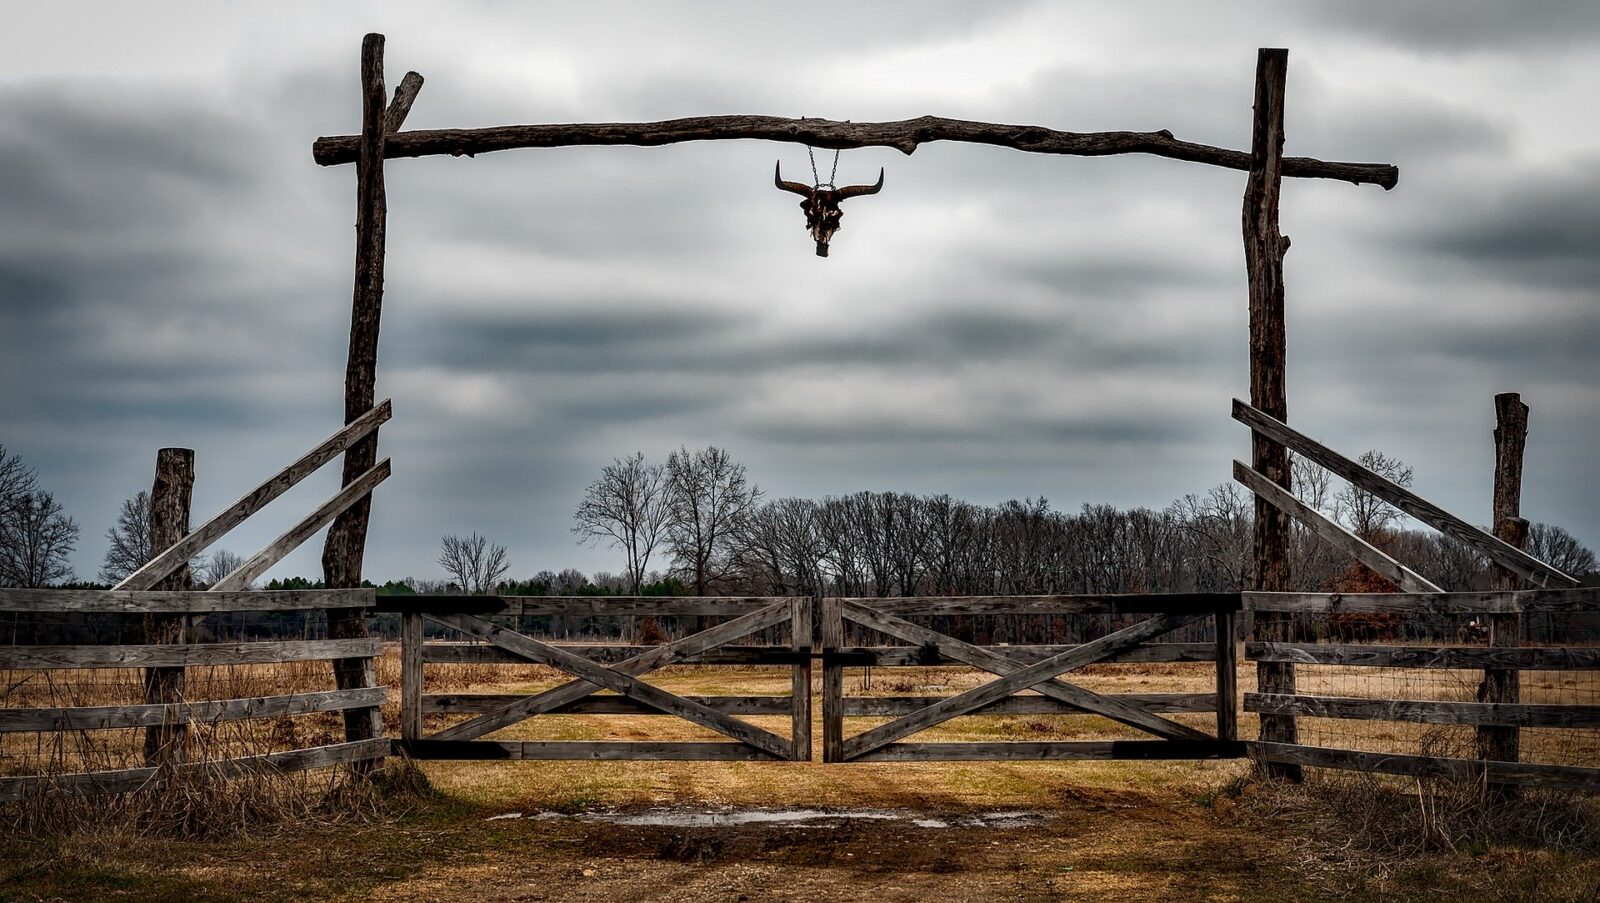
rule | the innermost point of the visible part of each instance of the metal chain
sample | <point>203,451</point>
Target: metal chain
<point>816,179</point>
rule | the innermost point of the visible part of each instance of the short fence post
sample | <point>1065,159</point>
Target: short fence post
<point>411,638</point>
<point>832,681</point>
<point>169,522</point>
<point>1503,685</point>
<point>1227,676</point>
<point>800,687</point>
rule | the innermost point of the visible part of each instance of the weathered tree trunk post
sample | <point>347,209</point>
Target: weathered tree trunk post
<point>1263,254</point>
<point>347,536</point>
<point>169,522</point>
<point>1503,685</point>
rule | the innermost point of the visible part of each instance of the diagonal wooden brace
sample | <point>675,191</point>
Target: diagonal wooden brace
<point>659,657</point>
<point>1017,677</point>
<point>625,684</point>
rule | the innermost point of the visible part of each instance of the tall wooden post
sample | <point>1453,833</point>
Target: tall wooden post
<point>169,522</point>
<point>1503,685</point>
<point>1263,254</point>
<point>347,536</point>
<point>832,681</point>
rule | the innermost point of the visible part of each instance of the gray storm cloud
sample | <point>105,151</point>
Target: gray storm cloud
<point>174,270</point>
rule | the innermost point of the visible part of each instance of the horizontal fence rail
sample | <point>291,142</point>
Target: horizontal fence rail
<point>62,608</point>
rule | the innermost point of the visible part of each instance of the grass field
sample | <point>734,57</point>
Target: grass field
<point>805,831</point>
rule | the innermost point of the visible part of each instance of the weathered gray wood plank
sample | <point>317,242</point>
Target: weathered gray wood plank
<point>1024,750</point>
<point>649,660</point>
<point>105,717</point>
<point>1330,532</point>
<point>1421,711</point>
<point>1527,658</point>
<point>800,639</point>
<point>130,779</point>
<point>183,655</point>
<point>411,677</point>
<point>694,751</point>
<point>1024,677</point>
<point>1125,603</point>
<point>613,679</point>
<point>895,706</point>
<point>480,703</point>
<point>446,652</point>
<point>279,548</point>
<point>998,663</point>
<point>580,606</point>
<point>1536,572</point>
<point>832,637</point>
<point>930,655</point>
<point>212,530</point>
<point>87,601</point>
<point>1525,774</point>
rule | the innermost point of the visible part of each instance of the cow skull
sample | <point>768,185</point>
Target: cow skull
<point>821,205</point>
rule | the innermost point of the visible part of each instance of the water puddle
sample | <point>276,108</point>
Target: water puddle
<point>678,817</point>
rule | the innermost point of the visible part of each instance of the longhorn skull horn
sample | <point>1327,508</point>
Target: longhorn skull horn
<point>796,187</point>
<point>850,191</point>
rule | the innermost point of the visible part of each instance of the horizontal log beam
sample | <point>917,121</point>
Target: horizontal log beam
<point>96,601</point>
<point>1566,777</point>
<point>179,655</point>
<point>198,540</point>
<point>1497,550</point>
<point>1420,711</point>
<point>1526,658</point>
<point>1126,750</point>
<point>1330,532</point>
<point>130,779</point>
<point>904,135</point>
<point>107,717</point>
<point>478,750</point>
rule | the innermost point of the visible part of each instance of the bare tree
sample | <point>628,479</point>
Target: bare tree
<point>1561,550</point>
<point>475,563</point>
<point>129,540</point>
<point>628,508</point>
<point>36,539</point>
<point>221,563</point>
<point>1367,515</point>
<point>709,497</point>
<point>16,478</point>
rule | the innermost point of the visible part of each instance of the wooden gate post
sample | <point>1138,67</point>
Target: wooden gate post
<point>1263,254</point>
<point>346,542</point>
<point>800,683</point>
<point>1227,675</point>
<point>832,681</point>
<point>411,639</point>
<point>1503,685</point>
<point>169,522</point>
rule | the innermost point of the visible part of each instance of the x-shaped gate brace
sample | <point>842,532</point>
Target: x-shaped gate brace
<point>623,678</point>
<point>1178,740</point>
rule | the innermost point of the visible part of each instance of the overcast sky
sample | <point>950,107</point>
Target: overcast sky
<point>174,269</point>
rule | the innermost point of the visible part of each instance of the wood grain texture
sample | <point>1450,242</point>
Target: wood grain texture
<point>178,655</point>
<point>394,117</point>
<point>1116,604</point>
<point>832,638</point>
<point>800,639</point>
<point>106,717</point>
<point>1016,678</point>
<point>895,706</point>
<point>280,548</point>
<point>1028,751</point>
<point>672,751</point>
<point>1227,696</point>
<point>411,677</point>
<point>622,683</point>
<point>1538,573</point>
<point>445,652</point>
<point>1428,711</point>
<point>1520,773</point>
<point>214,529</point>
<point>1331,532</point>
<point>481,703</point>
<point>581,606</point>
<point>904,135</point>
<point>131,779</point>
<point>931,654</point>
<point>1505,630</point>
<point>650,659</point>
<point>1527,658</point>
<point>86,601</point>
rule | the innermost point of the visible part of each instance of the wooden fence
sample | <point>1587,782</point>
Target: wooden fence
<point>35,658</point>
<point>1478,659</point>
<point>597,667</point>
